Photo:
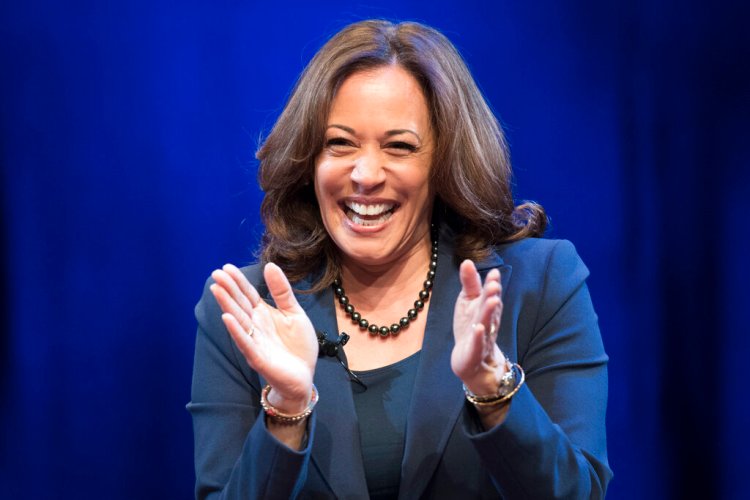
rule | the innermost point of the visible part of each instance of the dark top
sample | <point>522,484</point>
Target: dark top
<point>381,412</point>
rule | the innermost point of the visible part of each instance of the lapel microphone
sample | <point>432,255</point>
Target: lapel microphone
<point>331,349</point>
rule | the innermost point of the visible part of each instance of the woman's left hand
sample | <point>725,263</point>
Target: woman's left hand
<point>476,359</point>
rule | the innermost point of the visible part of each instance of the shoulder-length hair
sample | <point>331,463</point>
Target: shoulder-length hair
<point>471,169</point>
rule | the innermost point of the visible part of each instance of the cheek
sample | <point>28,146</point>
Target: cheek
<point>319,181</point>
<point>325,188</point>
<point>418,180</point>
<point>324,177</point>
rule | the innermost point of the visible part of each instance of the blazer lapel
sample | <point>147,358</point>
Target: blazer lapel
<point>336,451</point>
<point>438,396</point>
<point>436,402</point>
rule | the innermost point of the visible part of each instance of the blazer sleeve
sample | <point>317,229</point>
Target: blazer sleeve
<point>553,441</point>
<point>230,438</point>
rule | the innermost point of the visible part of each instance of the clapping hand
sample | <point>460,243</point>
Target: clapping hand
<point>476,359</point>
<point>277,342</point>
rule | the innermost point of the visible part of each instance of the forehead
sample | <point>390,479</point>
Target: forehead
<point>382,93</point>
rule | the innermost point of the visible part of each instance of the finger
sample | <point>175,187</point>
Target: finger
<point>493,288</point>
<point>473,349</point>
<point>242,337</point>
<point>489,315</point>
<point>493,275</point>
<point>491,284</point>
<point>280,289</point>
<point>471,282</point>
<point>245,343</point>
<point>228,305</point>
<point>243,284</point>
<point>231,286</point>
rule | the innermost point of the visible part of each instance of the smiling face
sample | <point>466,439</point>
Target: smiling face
<point>372,176</point>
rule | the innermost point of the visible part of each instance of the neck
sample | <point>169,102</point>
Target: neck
<point>369,286</point>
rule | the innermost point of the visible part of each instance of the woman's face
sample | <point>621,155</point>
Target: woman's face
<point>372,177</point>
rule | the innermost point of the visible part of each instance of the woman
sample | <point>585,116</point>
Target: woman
<point>387,180</point>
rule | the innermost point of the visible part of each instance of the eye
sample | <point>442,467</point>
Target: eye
<point>339,145</point>
<point>401,148</point>
<point>337,141</point>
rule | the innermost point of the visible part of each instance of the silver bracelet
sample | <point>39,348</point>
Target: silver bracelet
<point>507,389</point>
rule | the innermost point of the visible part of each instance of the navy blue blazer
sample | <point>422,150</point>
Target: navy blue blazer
<point>552,444</point>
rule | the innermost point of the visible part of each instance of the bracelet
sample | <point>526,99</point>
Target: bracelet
<point>507,383</point>
<point>504,393</point>
<point>284,418</point>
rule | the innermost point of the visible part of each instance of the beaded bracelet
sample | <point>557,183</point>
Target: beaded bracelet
<point>502,396</point>
<point>283,418</point>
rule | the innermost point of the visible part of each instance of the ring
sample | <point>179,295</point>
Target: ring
<point>493,329</point>
<point>252,330</point>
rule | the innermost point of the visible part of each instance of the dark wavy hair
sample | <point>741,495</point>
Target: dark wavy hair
<point>471,169</point>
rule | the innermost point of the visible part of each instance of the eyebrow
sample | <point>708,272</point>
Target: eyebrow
<point>389,133</point>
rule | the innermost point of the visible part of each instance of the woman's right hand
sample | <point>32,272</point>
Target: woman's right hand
<point>277,342</point>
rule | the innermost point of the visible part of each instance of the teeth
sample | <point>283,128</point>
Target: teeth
<point>369,222</point>
<point>362,214</point>
<point>376,209</point>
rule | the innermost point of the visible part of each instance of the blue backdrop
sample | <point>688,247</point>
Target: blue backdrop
<point>126,145</point>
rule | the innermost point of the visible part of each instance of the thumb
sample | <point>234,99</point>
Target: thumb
<point>280,289</point>
<point>471,282</point>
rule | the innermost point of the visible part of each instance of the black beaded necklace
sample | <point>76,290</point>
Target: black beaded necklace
<point>411,314</point>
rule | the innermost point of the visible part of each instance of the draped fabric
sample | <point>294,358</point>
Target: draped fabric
<point>127,135</point>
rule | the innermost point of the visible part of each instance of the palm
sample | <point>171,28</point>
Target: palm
<point>278,342</point>
<point>286,350</point>
<point>476,320</point>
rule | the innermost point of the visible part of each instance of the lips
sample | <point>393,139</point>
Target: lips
<point>368,214</point>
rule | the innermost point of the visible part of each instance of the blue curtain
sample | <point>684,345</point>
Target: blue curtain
<point>126,146</point>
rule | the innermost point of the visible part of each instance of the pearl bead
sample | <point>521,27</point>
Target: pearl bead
<point>411,314</point>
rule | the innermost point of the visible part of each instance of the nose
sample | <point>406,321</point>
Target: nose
<point>368,172</point>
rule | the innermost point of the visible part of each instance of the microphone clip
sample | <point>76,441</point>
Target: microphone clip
<point>330,348</point>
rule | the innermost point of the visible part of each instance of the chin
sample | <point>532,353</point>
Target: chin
<point>368,253</point>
